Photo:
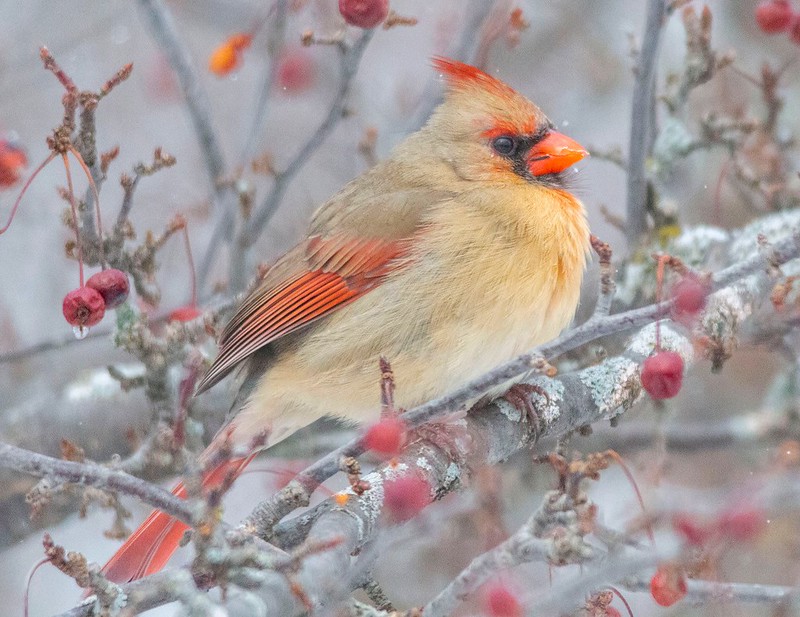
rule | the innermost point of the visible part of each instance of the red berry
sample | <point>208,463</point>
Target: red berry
<point>662,374</point>
<point>12,160</point>
<point>668,585</point>
<point>500,601</point>
<point>296,71</point>
<point>404,497</point>
<point>612,612</point>
<point>112,284</point>
<point>83,307</point>
<point>386,437</point>
<point>185,313</point>
<point>741,523</point>
<point>774,16</point>
<point>690,298</point>
<point>794,30</point>
<point>364,13</point>
<point>694,532</point>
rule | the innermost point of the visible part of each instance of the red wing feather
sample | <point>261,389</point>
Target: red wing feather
<point>340,270</point>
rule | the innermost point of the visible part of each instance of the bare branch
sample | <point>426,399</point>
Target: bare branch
<point>607,286</point>
<point>350,59</point>
<point>166,35</point>
<point>699,591</point>
<point>522,547</point>
<point>92,474</point>
<point>641,136</point>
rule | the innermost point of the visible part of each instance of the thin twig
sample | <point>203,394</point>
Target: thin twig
<point>607,288</point>
<point>166,35</point>
<point>766,426</point>
<point>276,42</point>
<point>641,140</point>
<point>223,228</point>
<point>350,58</point>
<point>522,547</point>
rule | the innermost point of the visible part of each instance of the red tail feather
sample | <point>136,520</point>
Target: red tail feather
<point>149,548</point>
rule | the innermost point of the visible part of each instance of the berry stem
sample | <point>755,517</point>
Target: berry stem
<point>25,188</point>
<point>74,208</point>
<point>28,581</point>
<point>662,260</point>
<point>614,455</point>
<point>622,598</point>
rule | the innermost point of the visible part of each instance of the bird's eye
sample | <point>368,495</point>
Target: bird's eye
<point>505,146</point>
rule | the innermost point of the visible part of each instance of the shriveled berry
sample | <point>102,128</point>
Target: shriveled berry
<point>185,313</point>
<point>228,56</point>
<point>499,600</point>
<point>83,307</point>
<point>112,284</point>
<point>364,13</point>
<point>223,60</point>
<point>386,437</point>
<point>774,16</point>
<point>240,41</point>
<point>404,497</point>
<point>668,585</point>
<point>662,374</point>
<point>689,299</point>
<point>296,71</point>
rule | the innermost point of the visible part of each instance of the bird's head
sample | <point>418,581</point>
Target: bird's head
<point>487,131</point>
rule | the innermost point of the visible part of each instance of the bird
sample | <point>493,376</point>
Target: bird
<point>459,251</point>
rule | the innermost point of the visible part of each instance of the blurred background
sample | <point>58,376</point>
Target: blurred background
<point>574,60</point>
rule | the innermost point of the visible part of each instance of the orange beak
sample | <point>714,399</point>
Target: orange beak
<point>554,153</point>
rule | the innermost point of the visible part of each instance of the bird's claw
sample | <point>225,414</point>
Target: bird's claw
<point>518,396</point>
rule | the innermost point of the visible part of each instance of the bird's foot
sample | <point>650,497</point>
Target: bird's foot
<point>450,437</point>
<point>519,394</point>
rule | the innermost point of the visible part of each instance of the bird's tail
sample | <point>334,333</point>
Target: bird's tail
<point>149,548</point>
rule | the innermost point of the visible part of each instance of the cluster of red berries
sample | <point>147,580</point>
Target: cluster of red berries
<point>662,373</point>
<point>85,306</point>
<point>776,16</point>
<point>737,524</point>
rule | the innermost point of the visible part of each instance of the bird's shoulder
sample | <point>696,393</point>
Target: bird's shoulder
<point>390,201</point>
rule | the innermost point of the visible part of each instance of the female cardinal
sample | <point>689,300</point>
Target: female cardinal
<point>458,252</point>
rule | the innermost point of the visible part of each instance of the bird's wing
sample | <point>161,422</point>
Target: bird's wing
<point>332,272</point>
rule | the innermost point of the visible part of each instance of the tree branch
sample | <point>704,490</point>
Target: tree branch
<point>701,592</point>
<point>165,32</point>
<point>92,474</point>
<point>349,61</point>
<point>641,136</point>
